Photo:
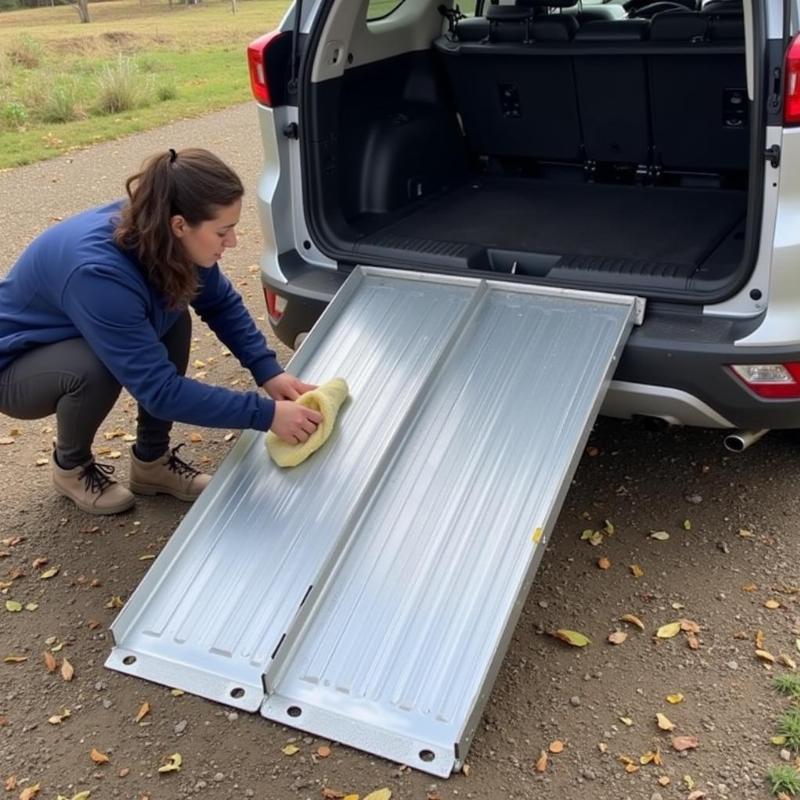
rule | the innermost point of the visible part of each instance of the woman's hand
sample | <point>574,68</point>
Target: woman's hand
<point>294,423</point>
<point>286,387</point>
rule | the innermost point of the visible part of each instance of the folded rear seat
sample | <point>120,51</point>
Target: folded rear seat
<point>612,91</point>
<point>698,92</point>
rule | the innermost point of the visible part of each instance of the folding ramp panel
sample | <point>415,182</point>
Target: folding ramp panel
<point>369,595</point>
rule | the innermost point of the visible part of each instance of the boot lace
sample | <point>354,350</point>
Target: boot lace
<point>179,466</point>
<point>97,477</point>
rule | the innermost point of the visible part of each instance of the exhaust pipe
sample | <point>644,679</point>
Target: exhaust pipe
<point>739,441</point>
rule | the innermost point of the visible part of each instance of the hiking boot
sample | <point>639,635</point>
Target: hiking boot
<point>91,488</point>
<point>167,475</point>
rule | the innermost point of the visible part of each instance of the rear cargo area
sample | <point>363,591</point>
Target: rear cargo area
<point>599,154</point>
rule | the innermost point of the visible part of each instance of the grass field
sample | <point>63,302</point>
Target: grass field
<point>134,66</point>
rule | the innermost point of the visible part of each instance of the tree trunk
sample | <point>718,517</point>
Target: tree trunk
<point>83,10</point>
<point>234,6</point>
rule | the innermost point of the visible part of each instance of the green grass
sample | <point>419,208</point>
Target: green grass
<point>788,684</point>
<point>789,727</point>
<point>132,68</point>
<point>784,778</point>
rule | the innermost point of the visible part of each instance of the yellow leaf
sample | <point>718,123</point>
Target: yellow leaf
<point>147,557</point>
<point>380,794</point>
<point>13,605</point>
<point>351,797</point>
<point>759,640</point>
<point>198,364</point>
<point>750,587</point>
<point>556,747</point>
<point>633,619</point>
<point>626,721</point>
<point>745,534</point>
<point>98,757</point>
<point>571,637</point>
<point>537,535</point>
<point>290,749</point>
<point>144,710</point>
<point>67,670</point>
<point>764,655</point>
<point>617,637</point>
<point>772,604</point>
<point>587,534</point>
<point>50,573</point>
<point>636,571</point>
<point>647,758</point>
<point>778,740</point>
<point>82,795</point>
<point>172,763</point>
<point>663,780</point>
<point>787,661</point>
<point>674,699</point>
<point>687,526</point>
<point>195,437</point>
<point>631,768</point>
<point>608,527</point>
<point>689,781</point>
<point>177,692</point>
<point>596,539</point>
<point>30,792</point>
<point>541,763</point>
<point>15,659</point>
<point>664,723</point>
<point>660,536</point>
<point>669,630</point>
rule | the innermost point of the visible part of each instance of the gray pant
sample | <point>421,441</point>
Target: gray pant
<point>67,378</point>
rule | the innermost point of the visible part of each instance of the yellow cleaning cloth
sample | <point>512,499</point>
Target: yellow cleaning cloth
<point>327,399</point>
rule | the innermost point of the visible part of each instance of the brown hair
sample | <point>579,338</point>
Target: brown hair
<point>193,183</point>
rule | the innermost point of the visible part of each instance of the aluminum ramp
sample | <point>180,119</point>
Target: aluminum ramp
<point>369,595</point>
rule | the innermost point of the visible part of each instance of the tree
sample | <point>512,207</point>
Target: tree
<point>82,7</point>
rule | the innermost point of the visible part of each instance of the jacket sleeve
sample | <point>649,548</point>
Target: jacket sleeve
<point>220,306</point>
<point>112,316</point>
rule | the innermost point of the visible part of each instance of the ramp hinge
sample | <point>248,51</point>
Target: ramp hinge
<point>639,305</point>
<point>773,155</point>
<point>292,131</point>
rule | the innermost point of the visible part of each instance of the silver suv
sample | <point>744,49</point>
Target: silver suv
<point>649,148</point>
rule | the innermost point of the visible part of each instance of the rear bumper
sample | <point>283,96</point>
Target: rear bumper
<point>674,366</point>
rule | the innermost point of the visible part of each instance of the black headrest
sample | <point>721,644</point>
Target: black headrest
<point>472,29</point>
<point>726,28</point>
<point>618,30</point>
<point>496,13</point>
<point>678,26</point>
<point>722,6</point>
<point>545,3</point>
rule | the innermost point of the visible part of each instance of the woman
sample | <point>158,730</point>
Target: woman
<point>100,301</point>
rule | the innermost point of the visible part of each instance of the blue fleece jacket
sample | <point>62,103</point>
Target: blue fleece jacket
<point>74,281</point>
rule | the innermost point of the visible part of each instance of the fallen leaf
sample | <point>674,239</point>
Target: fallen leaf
<point>660,536</point>
<point>11,783</point>
<point>331,794</point>
<point>677,606</point>
<point>626,721</point>
<point>693,641</point>
<point>749,587</point>
<point>541,763</point>
<point>797,644</point>
<point>697,794</point>
<point>229,437</point>
<point>689,626</point>
<point>171,763</point>
<point>681,743</point>
<point>764,655</point>
<point>147,557</point>
<point>380,794</point>
<point>664,723</point>
<point>56,648</point>
<point>633,619</point>
<point>556,747</point>
<point>596,539</point>
<point>351,797</point>
<point>636,571</point>
<point>124,772</point>
<point>39,562</point>
<point>57,719</point>
<point>13,605</point>
<point>31,606</point>
<point>144,710</point>
<point>772,604</point>
<point>687,525</point>
<point>198,364</point>
<point>30,792</point>
<point>664,780</point>
<point>41,462</point>
<point>787,661</point>
<point>177,692</point>
<point>759,639</point>
<point>15,659</point>
<point>98,757</point>
<point>67,670</point>
<point>617,637</point>
<point>669,630</point>
<point>290,749</point>
<point>82,795</point>
<point>602,747</point>
<point>778,740</point>
<point>324,751</point>
<point>6,440</point>
<point>115,602</point>
<point>195,438</point>
<point>674,699</point>
<point>604,563</point>
<point>572,637</point>
<point>689,781</point>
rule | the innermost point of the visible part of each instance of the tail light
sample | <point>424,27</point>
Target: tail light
<point>276,305</point>
<point>791,100</point>
<point>258,60</point>
<point>772,381</point>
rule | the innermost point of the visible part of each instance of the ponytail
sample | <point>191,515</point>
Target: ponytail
<point>193,183</point>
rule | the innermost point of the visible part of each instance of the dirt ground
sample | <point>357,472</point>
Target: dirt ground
<point>733,545</point>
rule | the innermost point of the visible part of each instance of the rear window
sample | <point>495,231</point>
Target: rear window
<point>378,9</point>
